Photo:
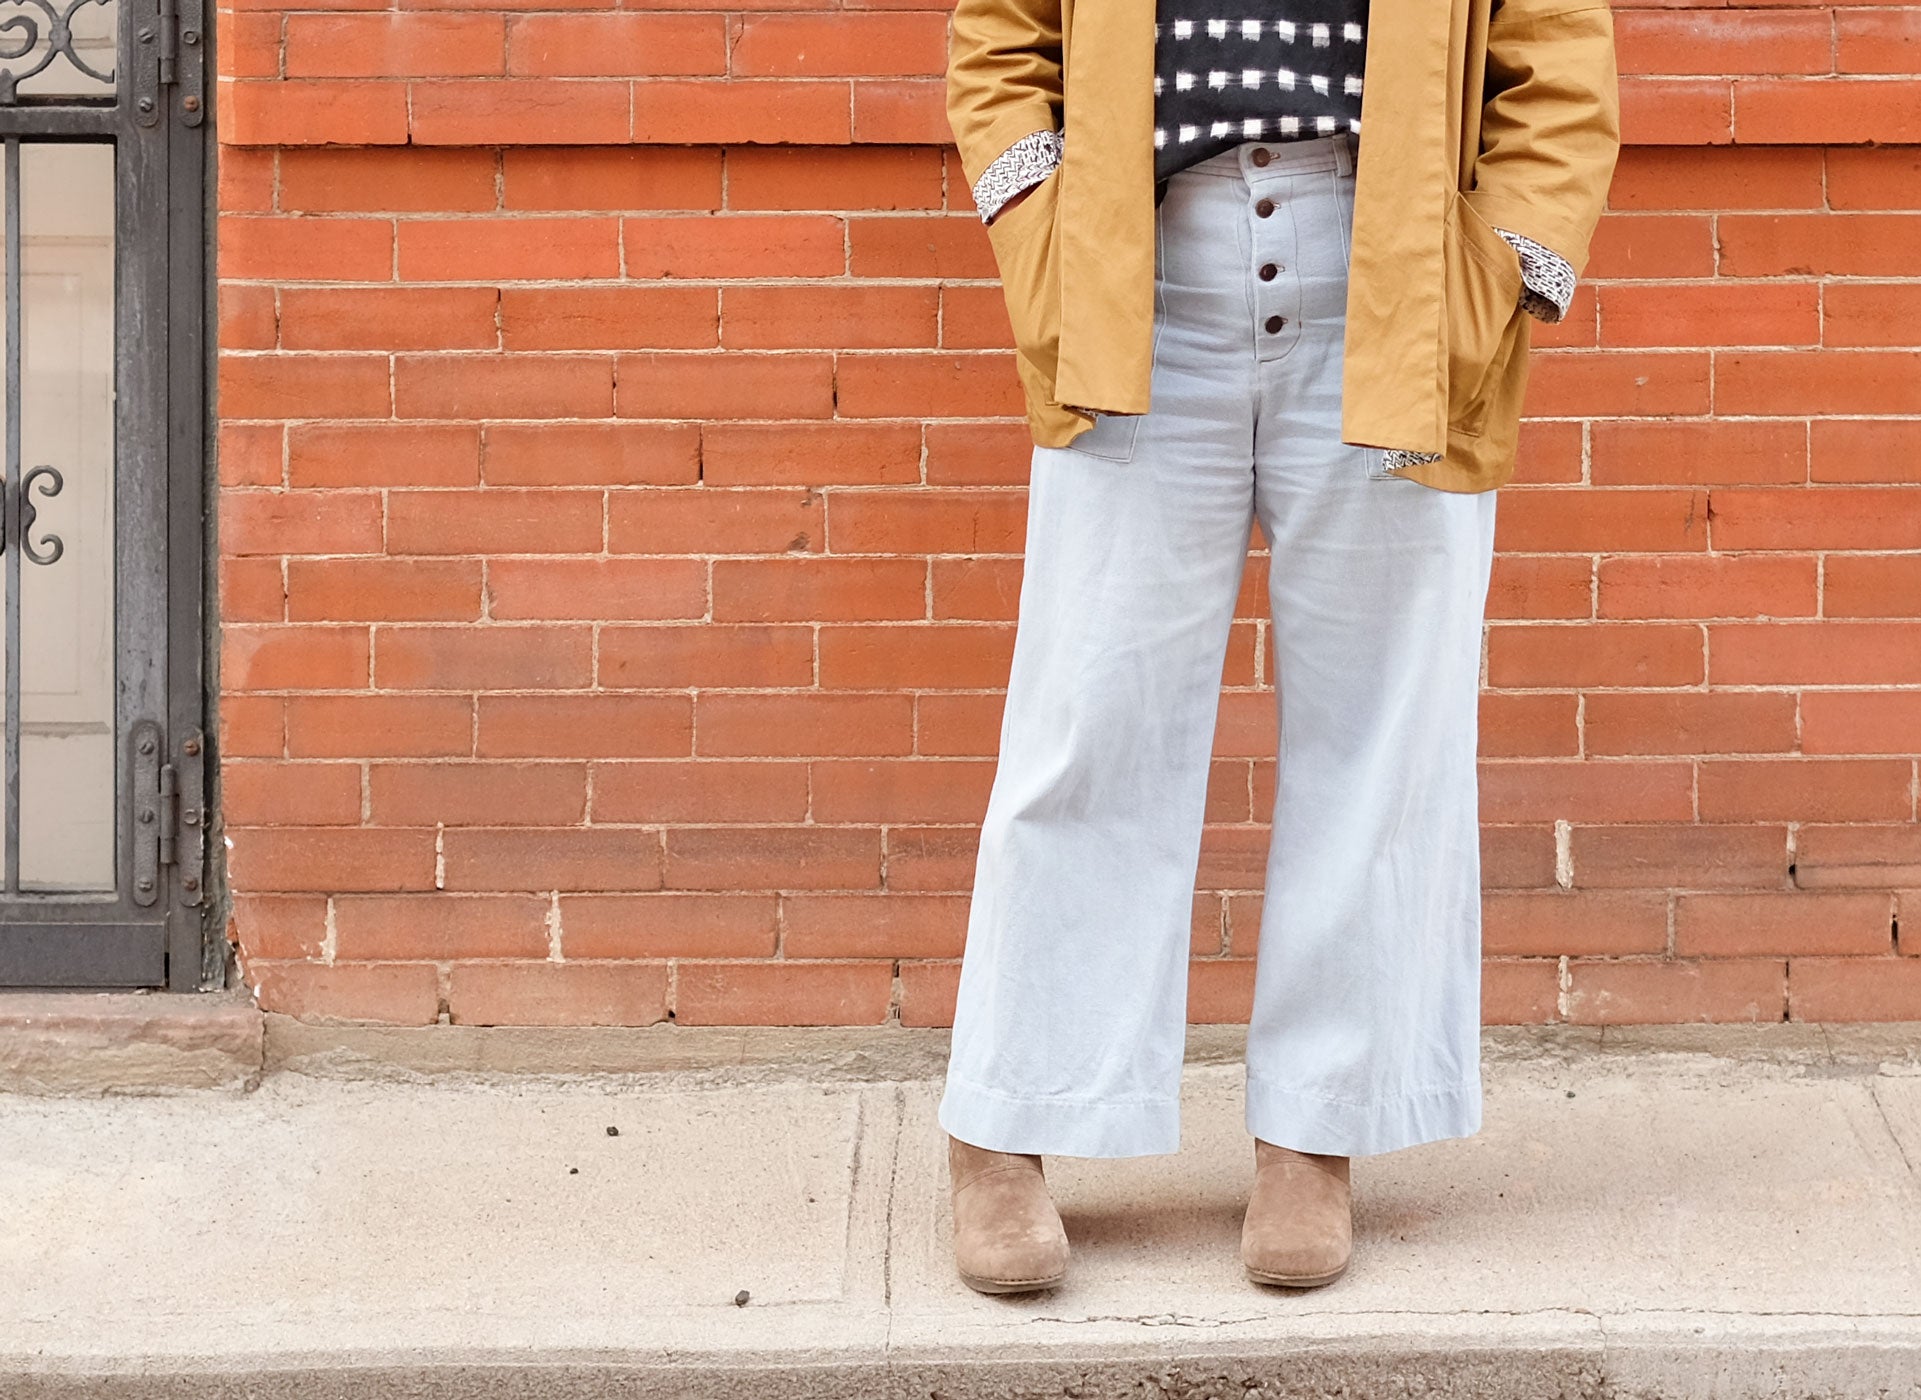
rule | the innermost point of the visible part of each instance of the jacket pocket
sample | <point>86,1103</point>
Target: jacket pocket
<point>1026,242</point>
<point>1483,308</point>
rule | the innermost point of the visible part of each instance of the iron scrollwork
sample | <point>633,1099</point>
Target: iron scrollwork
<point>50,547</point>
<point>21,34</point>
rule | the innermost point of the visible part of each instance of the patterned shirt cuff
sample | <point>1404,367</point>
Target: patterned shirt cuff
<point>1547,278</point>
<point>1021,166</point>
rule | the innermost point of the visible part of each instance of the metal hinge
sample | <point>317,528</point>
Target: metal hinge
<point>173,51</point>
<point>169,817</point>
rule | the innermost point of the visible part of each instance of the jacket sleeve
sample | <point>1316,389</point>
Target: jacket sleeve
<point>1004,95</point>
<point>1550,133</point>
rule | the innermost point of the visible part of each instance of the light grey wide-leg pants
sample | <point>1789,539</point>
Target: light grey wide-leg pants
<point>1071,1019</point>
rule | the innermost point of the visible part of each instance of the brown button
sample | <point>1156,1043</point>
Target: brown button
<point>1260,155</point>
<point>1267,272</point>
<point>1274,323</point>
<point>1264,208</point>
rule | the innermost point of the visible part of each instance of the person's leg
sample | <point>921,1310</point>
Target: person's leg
<point>1365,1034</point>
<point>1070,1023</point>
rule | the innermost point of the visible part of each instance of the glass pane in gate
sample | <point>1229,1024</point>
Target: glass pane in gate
<point>57,48</point>
<point>59,576</point>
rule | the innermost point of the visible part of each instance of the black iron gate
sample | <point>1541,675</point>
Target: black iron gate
<point>103,147</point>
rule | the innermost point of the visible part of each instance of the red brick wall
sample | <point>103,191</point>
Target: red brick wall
<point>621,537</point>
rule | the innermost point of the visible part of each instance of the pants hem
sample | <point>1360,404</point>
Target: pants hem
<point>1059,1127</point>
<point>1351,1128</point>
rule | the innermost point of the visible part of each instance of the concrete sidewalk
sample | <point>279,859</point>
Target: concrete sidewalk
<point>1692,1212</point>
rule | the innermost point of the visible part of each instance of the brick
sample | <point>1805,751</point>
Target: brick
<point>1532,923</point>
<point>379,726</point>
<point>1872,586</point>
<point>1517,857</point>
<point>559,858</point>
<point>1803,790</point>
<point>1676,111</point>
<point>915,657</point>
<point>609,318</point>
<point>773,857</point>
<point>873,926</point>
<point>926,521</point>
<point>928,385</point>
<point>267,860</point>
<point>383,454</point>
<point>1519,992</point>
<point>251,454</point>
<point>394,45</point>
<point>708,654</point>
<point>404,928</point>
<point>1617,383</point>
<point>1828,518</point>
<point>294,657</point>
<point>901,109</point>
<point>512,248</point>
<point>1871,313</point>
<point>279,926</point>
<point>1814,653</point>
<point>494,520</point>
<point>1788,245</point>
<point>389,317</point>
<point>852,317</point>
<point>1708,586</point>
<point>1635,992</point>
<point>1860,722</point>
<point>1830,111</point>
<point>595,589</point>
<point>615,45</point>
<point>820,46</point>
<point>1684,855</point>
<point>271,248</point>
<point>1701,452</point>
<point>494,657</point>
<point>255,793</point>
<point>1721,313</point>
<point>827,590</point>
<point>517,111</point>
<point>1877,41</point>
<point>669,925</point>
<point>297,112</point>
<point>810,454</point>
<point>585,726</point>
<point>905,790</point>
<point>1843,450</point>
<point>833,179</point>
<point>304,386</point>
<point>503,386</point>
<point>1546,790</point>
<point>610,177</point>
<point>734,246</point>
<point>919,246</point>
<point>592,454</point>
<point>251,590</point>
<point>1874,178</point>
<point>798,723</point>
<point>1617,722</point>
<point>782,993</point>
<point>927,993</point>
<point>1788,924</point>
<point>558,994</point>
<point>1652,245</point>
<point>726,385</point>
<point>1855,989</point>
<point>1714,42</point>
<point>710,520</point>
<point>383,590</point>
<point>476,794</point>
<point>1530,726</point>
<point>1603,521</point>
<point>1595,654</point>
<point>321,179</point>
<point>733,111</point>
<point>299,522</point>
<point>703,790</point>
<point>405,994</point>
<point>1752,177</point>
<point>931,858</point>
<point>1853,856</point>
<point>1535,586</point>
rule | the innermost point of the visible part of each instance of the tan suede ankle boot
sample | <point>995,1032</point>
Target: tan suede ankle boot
<point>1299,1228</point>
<point>1008,1237</point>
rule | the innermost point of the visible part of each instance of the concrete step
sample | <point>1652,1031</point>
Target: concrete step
<point>1698,1212</point>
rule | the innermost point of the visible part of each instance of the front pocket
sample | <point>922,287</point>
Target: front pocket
<point>1483,304</point>
<point>1025,242</point>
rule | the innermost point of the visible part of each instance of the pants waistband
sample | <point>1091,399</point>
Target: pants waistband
<point>1298,157</point>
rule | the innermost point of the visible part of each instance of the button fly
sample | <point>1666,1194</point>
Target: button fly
<point>1264,208</point>
<point>1268,270</point>
<point>1259,155</point>
<point>1274,324</point>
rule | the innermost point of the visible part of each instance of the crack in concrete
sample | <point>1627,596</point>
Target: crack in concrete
<point>1874,1093</point>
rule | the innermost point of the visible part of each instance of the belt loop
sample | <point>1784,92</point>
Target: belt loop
<point>1343,153</point>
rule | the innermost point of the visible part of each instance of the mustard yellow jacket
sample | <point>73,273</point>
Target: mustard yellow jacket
<point>1476,115</point>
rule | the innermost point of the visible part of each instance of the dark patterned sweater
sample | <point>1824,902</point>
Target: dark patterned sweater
<point>1271,70</point>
